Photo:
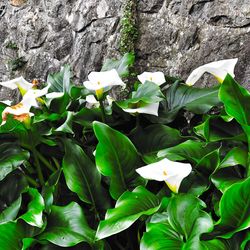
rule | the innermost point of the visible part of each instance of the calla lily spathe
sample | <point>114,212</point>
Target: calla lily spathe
<point>20,112</point>
<point>156,77</point>
<point>32,95</point>
<point>19,83</point>
<point>151,109</point>
<point>100,81</point>
<point>165,170</point>
<point>219,69</point>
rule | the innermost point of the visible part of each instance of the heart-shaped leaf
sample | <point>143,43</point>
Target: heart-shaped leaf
<point>129,207</point>
<point>122,65</point>
<point>12,156</point>
<point>82,176</point>
<point>117,158</point>
<point>67,226</point>
<point>236,100</point>
<point>180,227</point>
<point>234,210</point>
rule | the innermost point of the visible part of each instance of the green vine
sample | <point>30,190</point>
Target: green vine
<point>129,32</point>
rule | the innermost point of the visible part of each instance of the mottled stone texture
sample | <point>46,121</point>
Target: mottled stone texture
<point>179,35</point>
<point>175,36</point>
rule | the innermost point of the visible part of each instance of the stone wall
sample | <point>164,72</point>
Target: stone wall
<point>175,36</point>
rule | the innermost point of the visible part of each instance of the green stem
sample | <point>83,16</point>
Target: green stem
<point>32,148</point>
<point>38,167</point>
<point>102,111</point>
<point>45,162</point>
<point>56,162</point>
<point>31,181</point>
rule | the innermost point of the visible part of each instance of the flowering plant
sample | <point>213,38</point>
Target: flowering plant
<point>165,168</point>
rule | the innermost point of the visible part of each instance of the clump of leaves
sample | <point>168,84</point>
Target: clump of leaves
<point>69,180</point>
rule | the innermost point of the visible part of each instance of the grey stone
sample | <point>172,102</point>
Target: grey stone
<point>175,36</point>
<point>183,35</point>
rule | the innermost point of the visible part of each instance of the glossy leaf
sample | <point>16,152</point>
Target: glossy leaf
<point>189,150</point>
<point>181,227</point>
<point>11,189</point>
<point>117,158</point>
<point>228,172</point>
<point>129,207</point>
<point>234,210</point>
<point>49,189</point>
<point>122,65</point>
<point>10,213</point>
<point>145,94</point>
<point>11,157</point>
<point>85,116</point>
<point>34,214</point>
<point>82,176</point>
<point>60,82</point>
<point>236,100</point>
<point>216,129</point>
<point>11,235</point>
<point>66,127</point>
<point>155,137</point>
<point>196,100</point>
<point>67,226</point>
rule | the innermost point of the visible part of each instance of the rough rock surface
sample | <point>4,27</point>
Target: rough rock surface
<point>178,36</point>
<point>175,36</point>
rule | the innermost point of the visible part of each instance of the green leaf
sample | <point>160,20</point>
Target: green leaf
<point>198,181</point>
<point>82,176</point>
<point>129,207</point>
<point>59,105</point>
<point>34,214</point>
<point>228,172</point>
<point>155,137</point>
<point>60,81</point>
<point>12,156</point>
<point>117,158</point>
<point>181,227</point>
<point>66,127</point>
<point>189,150</point>
<point>146,93</point>
<point>122,65</point>
<point>10,196</point>
<point>10,213</point>
<point>234,210</point>
<point>236,100</point>
<point>49,189</point>
<point>85,116</point>
<point>11,235</point>
<point>67,226</point>
<point>196,100</point>
<point>216,129</point>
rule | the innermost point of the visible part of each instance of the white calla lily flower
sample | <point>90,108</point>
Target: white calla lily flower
<point>19,82</point>
<point>6,102</point>
<point>91,99</point>
<point>151,109</point>
<point>53,95</point>
<point>20,112</point>
<point>165,170</point>
<point>32,94</point>
<point>99,81</point>
<point>156,77</point>
<point>219,69</point>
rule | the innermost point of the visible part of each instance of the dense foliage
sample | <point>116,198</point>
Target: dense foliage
<point>68,176</point>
